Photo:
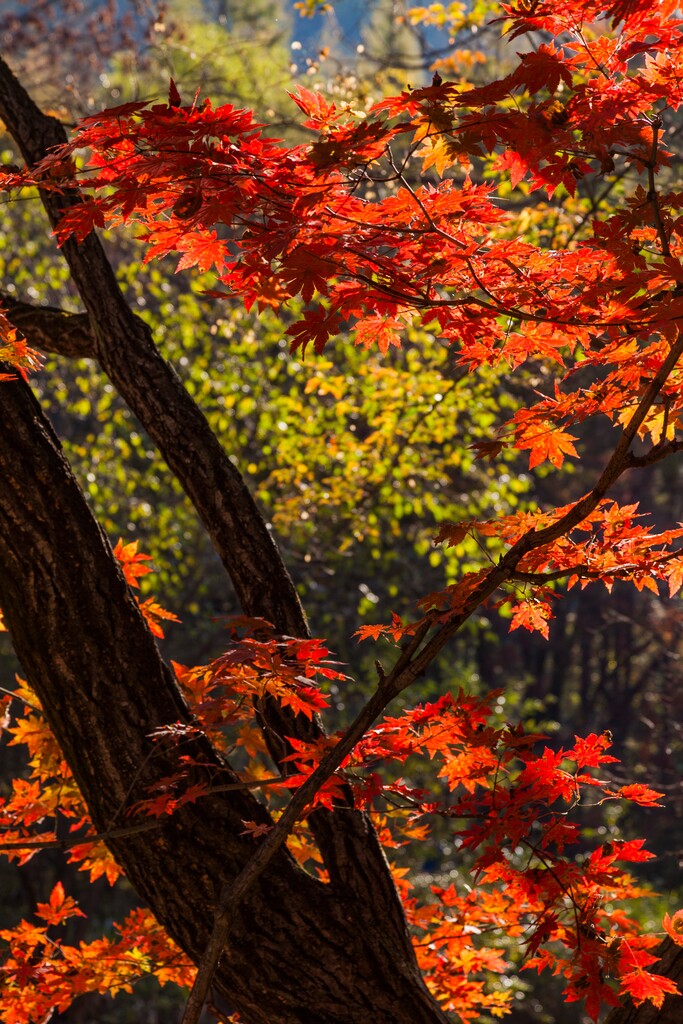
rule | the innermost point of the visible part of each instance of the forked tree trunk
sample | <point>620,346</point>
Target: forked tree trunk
<point>123,345</point>
<point>302,952</point>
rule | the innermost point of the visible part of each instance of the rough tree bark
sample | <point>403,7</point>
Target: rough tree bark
<point>302,951</point>
<point>305,951</point>
<point>122,344</point>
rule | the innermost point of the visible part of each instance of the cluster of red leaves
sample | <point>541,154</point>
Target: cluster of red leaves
<point>301,225</point>
<point>15,350</point>
<point>226,695</point>
<point>132,563</point>
<point>509,808</point>
<point>43,973</point>
<point>508,805</point>
<point>278,223</point>
<point>610,543</point>
<point>253,669</point>
<point>50,789</point>
<point>284,668</point>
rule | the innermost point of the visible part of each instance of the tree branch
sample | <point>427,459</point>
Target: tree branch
<point>412,663</point>
<point>234,892</point>
<point>52,329</point>
<point>124,347</point>
<point>652,195</point>
<point>619,461</point>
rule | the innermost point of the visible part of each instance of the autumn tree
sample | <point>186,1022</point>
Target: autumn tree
<point>388,218</point>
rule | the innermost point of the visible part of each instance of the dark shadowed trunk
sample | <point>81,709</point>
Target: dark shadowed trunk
<point>301,951</point>
<point>123,345</point>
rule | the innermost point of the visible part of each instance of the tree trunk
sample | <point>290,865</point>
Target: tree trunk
<point>123,345</point>
<point>301,951</point>
<point>124,348</point>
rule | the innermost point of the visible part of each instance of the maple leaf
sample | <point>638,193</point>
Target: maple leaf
<point>632,851</point>
<point>675,576</point>
<point>201,249</point>
<point>546,443</point>
<point>642,986</point>
<point>370,632</point>
<point>174,99</point>
<point>304,700</point>
<point>487,449</point>
<point>131,561</point>
<point>157,807</point>
<point>96,859</point>
<point>532,615</point>
<point>317,326</point>
<point>306,273</point>
<point>515,163</point>
<point>544,68</point>
<point>255,831</point>
<point>397,630</point>
<point>15,350</point>
<point>589,751</point>
<point>59,908</point>
<point>376,330</point>
<point>153,612</point>
<point>640,794</point>
<point>320,113</point>
<point>79,220</point>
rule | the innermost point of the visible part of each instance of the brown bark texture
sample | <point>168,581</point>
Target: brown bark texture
<point>300,950</point>
<point>122,343</point>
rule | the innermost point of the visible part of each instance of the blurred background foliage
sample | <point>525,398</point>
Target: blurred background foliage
<point>355,457</point>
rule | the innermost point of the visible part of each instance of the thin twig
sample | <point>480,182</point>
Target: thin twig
<point>13,693</point>
<point>68,844</point>
<point>130,830</point>
<point>618,462</point>
<point>652,194</point>
<point>655,454</point>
